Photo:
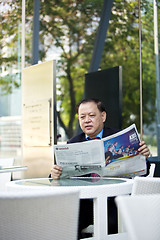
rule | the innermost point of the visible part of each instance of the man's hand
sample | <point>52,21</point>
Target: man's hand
<point>56,172</point>
<point>143,149</point>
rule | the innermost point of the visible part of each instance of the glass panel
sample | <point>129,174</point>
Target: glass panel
<point>149,76</point>
<point>70,182</point>
<point>75,41</point>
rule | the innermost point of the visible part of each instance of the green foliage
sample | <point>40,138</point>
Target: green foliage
<point>8,83</point>
<point>9,37</point>
<point>150,140</point>
<point>70,26</point>
<point>122,48</point>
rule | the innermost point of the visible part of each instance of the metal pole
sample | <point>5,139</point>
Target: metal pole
<point>35,41</point>
<point>155,2</point>
<point>101,36</point>
<point>140,66</point>
<point>23,36</point>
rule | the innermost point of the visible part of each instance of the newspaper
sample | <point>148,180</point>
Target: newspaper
<point>113,156</point>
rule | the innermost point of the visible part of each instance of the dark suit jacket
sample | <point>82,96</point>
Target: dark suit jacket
<point>81,137</point>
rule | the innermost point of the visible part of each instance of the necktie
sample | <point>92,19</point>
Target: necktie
<point>88,138</point>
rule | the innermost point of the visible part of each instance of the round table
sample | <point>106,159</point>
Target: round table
<point>97,188</point>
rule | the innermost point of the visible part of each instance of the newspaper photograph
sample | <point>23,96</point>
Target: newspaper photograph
<point>113,156</point>
<point>121,154</point>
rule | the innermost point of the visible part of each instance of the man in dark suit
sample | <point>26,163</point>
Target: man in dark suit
<point>92,115</point>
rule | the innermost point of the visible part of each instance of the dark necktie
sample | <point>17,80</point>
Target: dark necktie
<point>88,138</point>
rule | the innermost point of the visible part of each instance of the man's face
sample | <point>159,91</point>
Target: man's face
<point>91,119</point>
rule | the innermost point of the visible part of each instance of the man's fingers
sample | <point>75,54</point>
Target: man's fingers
<point>143,149</point>
<point>56,172</point>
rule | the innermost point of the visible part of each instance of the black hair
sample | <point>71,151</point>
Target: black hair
<point>99,103</point>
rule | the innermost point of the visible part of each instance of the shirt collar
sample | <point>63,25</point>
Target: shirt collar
<point>98,135</point>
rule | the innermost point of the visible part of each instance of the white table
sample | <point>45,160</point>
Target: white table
<point>98,189</point>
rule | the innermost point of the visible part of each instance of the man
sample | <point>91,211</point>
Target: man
<point>92,115</point>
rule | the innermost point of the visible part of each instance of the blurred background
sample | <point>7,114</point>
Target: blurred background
<point>35,31</point>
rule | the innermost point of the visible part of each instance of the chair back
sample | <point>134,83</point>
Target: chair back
<point>152,170</point>
<point>41,215</point>
<point>156,161</point>
<point>138,221</point>
<point>146,185</point>
<point>5,177</point>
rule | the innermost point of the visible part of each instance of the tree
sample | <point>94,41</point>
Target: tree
<point>10,44</point>
<point>122,48</point>
<point>70,26</point>
<point>8,53</point>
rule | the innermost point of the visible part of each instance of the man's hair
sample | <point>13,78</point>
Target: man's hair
<point>99,103</point>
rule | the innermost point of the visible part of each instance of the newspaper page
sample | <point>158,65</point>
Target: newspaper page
<point>113,156</point>
<point>77,159</point>
<point>122,158</point>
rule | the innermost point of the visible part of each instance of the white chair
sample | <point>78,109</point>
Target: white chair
<point>146,185</point>
<point>141,186</point>
<point>155,161</point>
<point>5,177</point>
<point>141,214</point>
<point>151,170</point>
<point>42,215</point>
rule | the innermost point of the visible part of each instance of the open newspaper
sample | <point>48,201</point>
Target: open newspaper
<point>113,156</point>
